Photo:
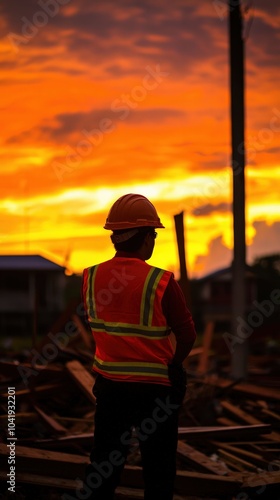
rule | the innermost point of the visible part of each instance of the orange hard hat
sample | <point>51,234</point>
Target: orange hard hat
<point>132,210</point>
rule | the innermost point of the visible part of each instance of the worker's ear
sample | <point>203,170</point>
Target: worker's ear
<point>147,238</point>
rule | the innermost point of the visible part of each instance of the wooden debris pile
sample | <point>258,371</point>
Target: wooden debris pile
<point>229,434</point>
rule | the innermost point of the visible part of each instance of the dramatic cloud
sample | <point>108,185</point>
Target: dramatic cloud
<point>65,125</point>
<point>266,239</point>
<point>102,98</point>
<point>265,242</point>
<point>211,208</point>
<point>219,256</point>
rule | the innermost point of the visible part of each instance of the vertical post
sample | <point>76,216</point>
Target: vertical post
<point>240,347</point>
<point>34,306</point>
<point>183,281</point>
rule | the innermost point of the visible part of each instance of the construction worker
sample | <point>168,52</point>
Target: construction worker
<point>132,308</point>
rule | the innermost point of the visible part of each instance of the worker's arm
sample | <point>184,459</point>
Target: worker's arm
<point>83,292</point>
<point>179,319</point>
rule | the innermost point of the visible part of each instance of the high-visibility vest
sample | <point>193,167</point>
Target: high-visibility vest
<point>122,298</point>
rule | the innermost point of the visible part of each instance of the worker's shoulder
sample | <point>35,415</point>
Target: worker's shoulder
<point>159,270</point>
<point>132,262</point>
<point>94,266</point>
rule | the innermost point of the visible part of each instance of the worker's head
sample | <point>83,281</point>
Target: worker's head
<point>140,240</point>
<point>133,220</point>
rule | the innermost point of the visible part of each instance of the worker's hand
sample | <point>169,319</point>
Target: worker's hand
<point>178,378</point>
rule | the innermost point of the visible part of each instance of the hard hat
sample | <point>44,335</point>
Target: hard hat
<point>130,211</point>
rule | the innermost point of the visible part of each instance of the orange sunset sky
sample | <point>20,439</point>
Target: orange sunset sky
<point>103,98</point>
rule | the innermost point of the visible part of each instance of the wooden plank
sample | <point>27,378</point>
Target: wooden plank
<point>271,413</point>
<point>208,485</point>
<point>206,344</point>
<point>268,454</point>
<point>238,412</point>
<point>199,460</point>
<point>196,351</point>
<point>84,440</point>
<point>228,433</point>
<point>245,388</point>
<point>85,335</point>
<point>243,464</point>
<point>256,458</point>
<point>84,419</point>
<point>70,485</point>
<point>260,482</point>
<point>135,494</point>
<point>82,377</point>
<point>263,478</point>
<point>232,464</point>
<point>264,445</point>
<point>226,421</point>
<point>249,419</point>
<point>66,466</point>
<point>50,422</point>
<point>45,462</point>
<point>195,483</point>
<point>129,493</point>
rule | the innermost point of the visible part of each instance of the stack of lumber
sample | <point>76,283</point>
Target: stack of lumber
<point>229,434</point>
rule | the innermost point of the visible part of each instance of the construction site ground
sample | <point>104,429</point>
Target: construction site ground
<point>229,430</point>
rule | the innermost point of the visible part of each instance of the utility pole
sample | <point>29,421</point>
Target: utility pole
<point>239,340</point>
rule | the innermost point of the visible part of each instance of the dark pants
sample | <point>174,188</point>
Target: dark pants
<point>151,411</point>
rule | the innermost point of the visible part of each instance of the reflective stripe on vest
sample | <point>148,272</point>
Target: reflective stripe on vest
<point>148,369</point>
<point>148,296</point>
<point>128,330</point>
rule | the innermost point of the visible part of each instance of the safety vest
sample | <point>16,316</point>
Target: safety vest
<point>122,298</point>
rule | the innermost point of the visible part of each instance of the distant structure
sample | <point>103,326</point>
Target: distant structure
<point>213,296</point>
<point>32,290</point>
<point>212,302</point>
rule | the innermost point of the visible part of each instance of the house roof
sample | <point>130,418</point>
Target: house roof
<point>28,263</point>
<point>225,273</point>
